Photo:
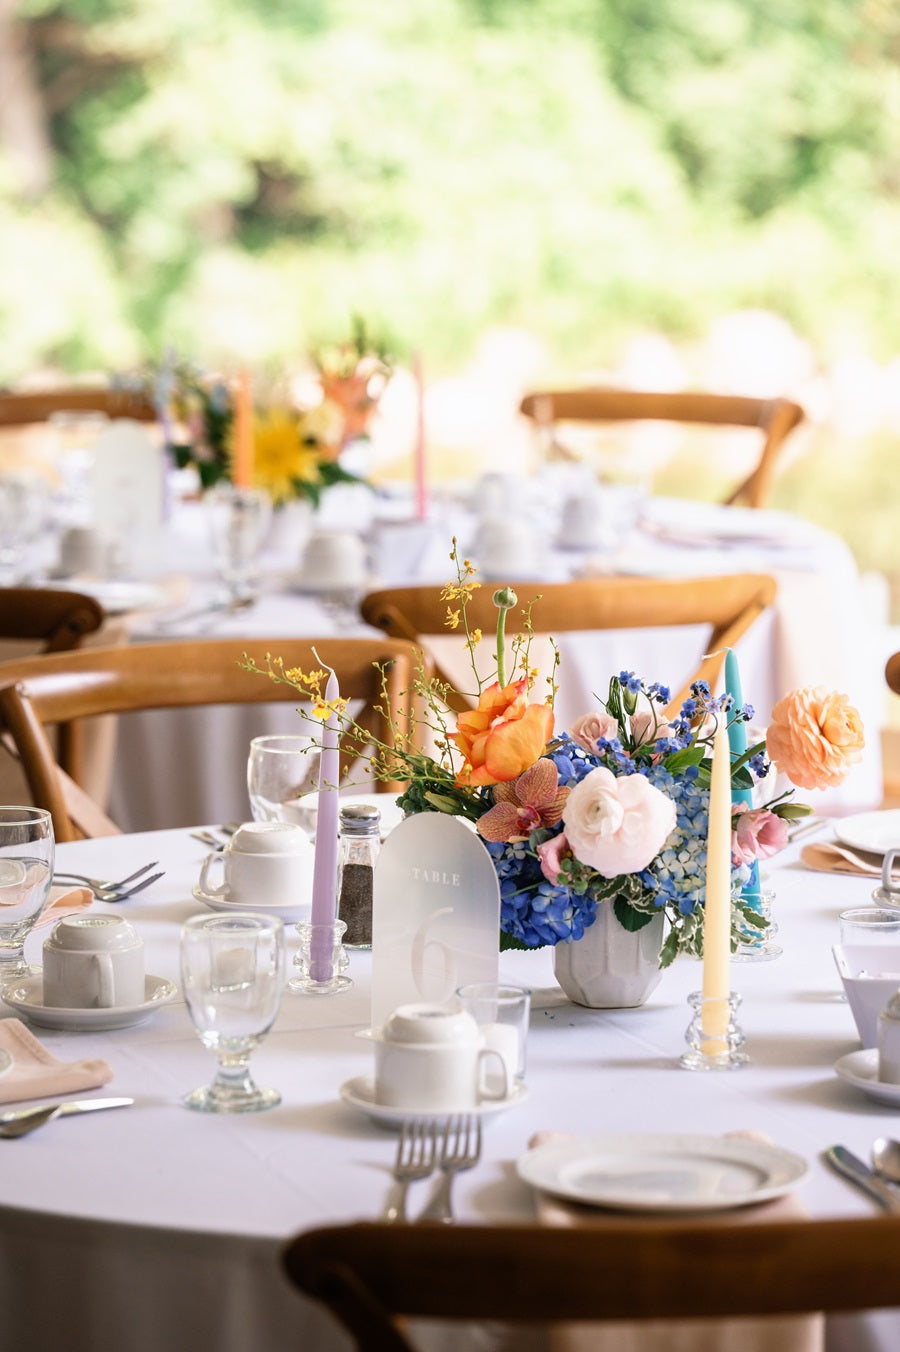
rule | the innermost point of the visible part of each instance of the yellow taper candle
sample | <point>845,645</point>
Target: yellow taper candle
<point>242,445</point>
<point>717,909</point>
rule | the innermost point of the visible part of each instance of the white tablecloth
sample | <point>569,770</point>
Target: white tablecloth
<point>156,1227</point>
<point>816,633</point>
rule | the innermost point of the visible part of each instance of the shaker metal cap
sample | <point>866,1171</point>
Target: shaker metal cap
<point>360,819</point>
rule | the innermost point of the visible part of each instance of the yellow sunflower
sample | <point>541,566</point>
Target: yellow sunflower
<point>280,456</point>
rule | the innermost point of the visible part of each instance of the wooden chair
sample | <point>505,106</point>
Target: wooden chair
<point>36,406</point>
<point>728,604</point>
<point>372,1275</point>
<point>775,418</point>
<point>892,673</point>
<point>53,617</point>
<point>44,691</point>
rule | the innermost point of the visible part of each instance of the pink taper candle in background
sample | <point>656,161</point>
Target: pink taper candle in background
<point>242,461</point>
<point>419,451</point>
<point>717,908</point>
<point>324,894</point>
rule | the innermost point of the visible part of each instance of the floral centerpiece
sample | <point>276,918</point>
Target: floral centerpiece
<point>614,810</point>
<point>297,441</point>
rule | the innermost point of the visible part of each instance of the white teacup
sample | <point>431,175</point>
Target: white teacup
<point>93,962</point>
<point>434,1058</point>
<point>334,560</point>
<point>264,863</point>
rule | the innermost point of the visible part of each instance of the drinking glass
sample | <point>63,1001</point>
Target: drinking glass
<point>238,520</point>
<point>232,973</point>
<point>870,925</point>
<point>26,868</point>
<point>283,780</point>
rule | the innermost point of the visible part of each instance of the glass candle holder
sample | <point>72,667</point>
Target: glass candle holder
<point>326,939</point>
<point>713,1036</point>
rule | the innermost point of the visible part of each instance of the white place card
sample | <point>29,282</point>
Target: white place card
<point>128,496</point>
<point>435,913</point>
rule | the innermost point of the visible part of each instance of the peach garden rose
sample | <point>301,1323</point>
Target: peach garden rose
<point>503,736</point>
<point>814,737</point>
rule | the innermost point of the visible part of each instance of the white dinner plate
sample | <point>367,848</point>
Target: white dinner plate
<point>360,1093</point>
<point>876,832</point>
<point>861,1070</point>
<point>27,996</point>
<point>701,522</point>
<point>6,1061</point>
<point>117,598</point>
<point>637,1172</point>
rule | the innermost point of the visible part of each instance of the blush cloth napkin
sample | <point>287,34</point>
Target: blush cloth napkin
<point>35,1073</point>
<point>829,857</point>
<point>63,901</point>
<point>770,1333</point>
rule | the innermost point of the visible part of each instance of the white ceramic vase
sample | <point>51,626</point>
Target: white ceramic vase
<point>610,967</point>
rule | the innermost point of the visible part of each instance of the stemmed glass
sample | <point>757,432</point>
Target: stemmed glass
<point>26,867</point>
<point>232,974</point>
<point>238,520</point>
<point>283,780</point>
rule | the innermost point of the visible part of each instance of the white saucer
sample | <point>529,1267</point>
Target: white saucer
<point>6,1061</point>
<point>360,1093</point>
<point>861,1070</point>
<point>288,913</point>
<point>27,996</point>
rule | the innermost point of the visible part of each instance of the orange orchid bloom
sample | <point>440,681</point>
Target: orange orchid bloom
<point>503,736</point>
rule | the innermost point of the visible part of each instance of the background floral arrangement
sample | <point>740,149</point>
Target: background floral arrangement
<point>613,811</point>
<point>296,448</point>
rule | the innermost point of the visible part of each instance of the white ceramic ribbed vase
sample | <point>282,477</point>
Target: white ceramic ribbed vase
<point>610,967</point>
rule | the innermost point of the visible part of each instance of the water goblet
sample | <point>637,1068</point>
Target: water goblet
<point>26,868</point>
<point>232,974</point>
<point>283,780</point>
<point>238,520</point>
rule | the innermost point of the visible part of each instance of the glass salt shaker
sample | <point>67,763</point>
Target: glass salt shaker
<point>360,841</point>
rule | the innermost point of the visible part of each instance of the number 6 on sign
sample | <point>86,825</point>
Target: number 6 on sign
<point>435,913</point>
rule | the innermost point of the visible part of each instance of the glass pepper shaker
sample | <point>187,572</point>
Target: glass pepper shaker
<point>360,841</point>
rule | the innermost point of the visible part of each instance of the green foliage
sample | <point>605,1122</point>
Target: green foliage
<point>236,177</point>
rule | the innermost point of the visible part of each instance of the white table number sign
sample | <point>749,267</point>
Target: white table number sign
<point>435,913</point>
<point>127,486</point>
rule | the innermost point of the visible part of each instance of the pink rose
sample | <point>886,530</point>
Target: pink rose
<point>589,728</point>
<point>644,727</point>
<point>552,853</point>
<point>617,825</point>
<point>757,834</point>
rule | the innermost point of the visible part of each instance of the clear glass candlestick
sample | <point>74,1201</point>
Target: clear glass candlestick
<point>232,974</point>
<point>713,1036</point>
<point>315,976</point>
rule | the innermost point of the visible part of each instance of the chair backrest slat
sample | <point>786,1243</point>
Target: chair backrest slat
<point>372,1274</point>
<point>775,418</point>
<point>728,604</point>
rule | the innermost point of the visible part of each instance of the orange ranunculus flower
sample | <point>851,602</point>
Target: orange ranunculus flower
<point>503,736</point>
<point>814,737</point>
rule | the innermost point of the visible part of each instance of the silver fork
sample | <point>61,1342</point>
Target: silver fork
<point>109,892</point>
<point>460,1150</point>
<point>104,883</point>
<point>415,1160</point>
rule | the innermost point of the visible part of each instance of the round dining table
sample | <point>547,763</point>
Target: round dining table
<point>157,1227</point>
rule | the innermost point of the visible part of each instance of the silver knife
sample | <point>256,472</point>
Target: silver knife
<point>849,1166</point>
<point>66,1109</point>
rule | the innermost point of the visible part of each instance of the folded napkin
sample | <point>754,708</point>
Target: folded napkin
<point>63,901</point>
<point>769,1333</point>
<point>829,857</point>
<point>37,1074</point>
